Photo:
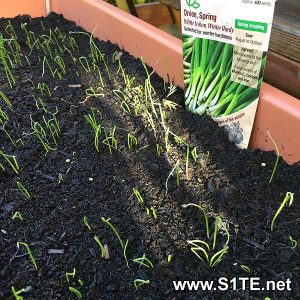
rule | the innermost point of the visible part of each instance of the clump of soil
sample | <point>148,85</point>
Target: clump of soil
<point>73,181</point>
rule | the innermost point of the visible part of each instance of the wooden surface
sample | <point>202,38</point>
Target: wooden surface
<point>283,73</point>
<point>156,14</point>
<point>285,38</point>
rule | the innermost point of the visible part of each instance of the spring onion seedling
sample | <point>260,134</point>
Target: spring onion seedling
<point>139,282</point>
<point>23,190</point>
<point>70,274</point>
<point>204,214</point>
<point>6,132</point>
<point>91,92</point>
<point>100,245</point>
<point>115,231</point>
<point>17,294</point>
<point>169,258</point>
<point>11,160</point>
<point>75,291</point>
<point>44,89</point>
<point>86,223</point>
<point>175,169</point>
<point>91,120</point>
<point>5,60</point>
<point>53,128</point>
<point>277,156</point>
<point>143,261</point>
<point>138,196</point>
<point>153,212</point>
<point>194,154</point>
<point>202,249</point>
<point>45,61</point>
<point>17,49</point>
<point>80,281</point>
<point>245,268</point>
<point>110,140</point>
<point>288,200</point>
<point>5,99</point>
<point>85,64</point>
<point>294,243</point>
<point>131,140</point>
<point>17,215</point>
<point>29,253</point>
<point>60,178</point>
<point>158,149</point>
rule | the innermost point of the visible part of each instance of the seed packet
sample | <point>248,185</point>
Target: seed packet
<point>225,45</point>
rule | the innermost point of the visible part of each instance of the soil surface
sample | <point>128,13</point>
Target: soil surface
<point>73,181</point>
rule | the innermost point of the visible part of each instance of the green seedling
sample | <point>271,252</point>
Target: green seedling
<point>39,103</point>
<point>70,274</point>
<point>86,223</point>
<point>187,157</point>
<point>49,131</point>
<point>100,245</point>
<point>176,171</point>
<point>6,62</point>
<point>294,243</point>
<point>23,190</point>
<point>44,89</point>
<point>85,64</point>
<point>288,200</point>
<point>17,48</point>
<point>131,140</point>
<point>245,268</point>
<point>158,149</point>
<point>17,215</point>
<point>202,249</point>
<point>143,261</point>
<point>6,132</point>
<point>153,212</point>
<point>194,154</point>
<point>45,61</point>
<point>123,245</point>
<point>169,258</point>
<point>11,160</point>
<point>60,178</point>
<point>60,63</point>
<point>99,74</point>
<point>138,196</point>
<point>91,120</point>
<point>170,104</point>
<point>139,282</point>
<point>204,215</point>
<point>5,99</point>
<point>17,294</point>
<point>110,140</point>
<point>91,92</point>
<point>75,291</point>
<point>80,281</point>
<point>277,157</point>
<point>29,253</point>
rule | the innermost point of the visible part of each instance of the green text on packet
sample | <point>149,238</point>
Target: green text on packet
<point>251,25</point>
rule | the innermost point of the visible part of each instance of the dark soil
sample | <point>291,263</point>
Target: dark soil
<point>228,182</point>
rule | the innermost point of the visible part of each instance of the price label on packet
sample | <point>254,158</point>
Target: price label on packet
<point>225,45</point>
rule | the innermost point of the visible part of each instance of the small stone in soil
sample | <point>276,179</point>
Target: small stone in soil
<point>286,254</point>
<point>8,207</point>
<point>111,287</point>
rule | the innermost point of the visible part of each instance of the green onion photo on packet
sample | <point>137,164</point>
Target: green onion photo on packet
<point>225,45</point>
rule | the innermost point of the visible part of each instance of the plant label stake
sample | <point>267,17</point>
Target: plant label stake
<point>225,45</point>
